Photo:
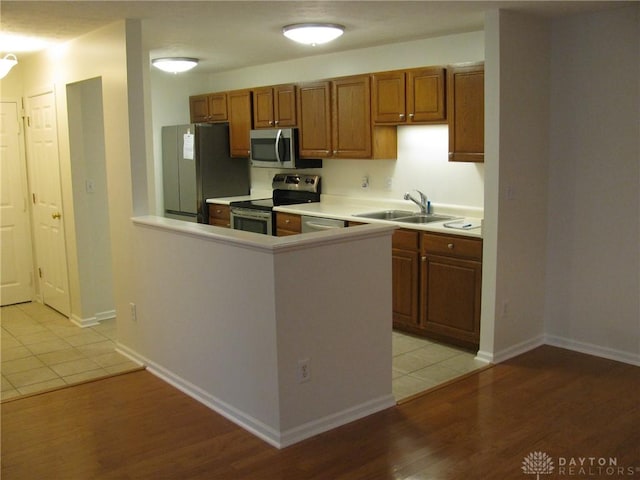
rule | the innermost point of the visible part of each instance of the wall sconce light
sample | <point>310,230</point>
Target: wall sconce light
<point>174,64</point>
<point>7,63</point>
<point>313,33</point>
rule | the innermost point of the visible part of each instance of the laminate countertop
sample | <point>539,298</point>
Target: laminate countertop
<point>349,208</point>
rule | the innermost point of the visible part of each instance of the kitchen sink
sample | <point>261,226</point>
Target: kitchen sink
<point>422,218</point>
<point>386,214</point>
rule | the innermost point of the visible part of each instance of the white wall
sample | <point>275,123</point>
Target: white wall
<point>87,154</point>
<point>593,287</point>
<point>74,62</point>
<point>422,150</point>
<point>228,320</point>
<point>517,152</point>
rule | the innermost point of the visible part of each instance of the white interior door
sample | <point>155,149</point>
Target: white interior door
<point>16,270</point>
<point>44,180</point>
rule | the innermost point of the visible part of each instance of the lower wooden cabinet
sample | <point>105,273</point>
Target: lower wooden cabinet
<point>451,281</point>
<point>437,281</point>
<point>219,215</point>
<point>288,224</point>
<point>405,267</point>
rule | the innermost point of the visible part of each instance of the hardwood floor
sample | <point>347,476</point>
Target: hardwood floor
<point>135,426</point>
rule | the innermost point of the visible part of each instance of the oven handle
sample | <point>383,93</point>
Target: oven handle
<point>277,145</point>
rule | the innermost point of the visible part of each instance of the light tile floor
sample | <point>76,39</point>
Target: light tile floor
<point>420,364</point>
<point>42,349</point>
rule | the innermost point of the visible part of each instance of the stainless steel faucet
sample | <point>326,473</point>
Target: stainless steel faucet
<point>423,203</point>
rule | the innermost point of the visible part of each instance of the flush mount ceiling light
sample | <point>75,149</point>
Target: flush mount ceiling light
<point>174,64</point>
<point>313,33</point>
<point>7,63</point>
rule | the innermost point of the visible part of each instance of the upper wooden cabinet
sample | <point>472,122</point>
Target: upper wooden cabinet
<point>465,111</point>
<point>274,106</point>
<point>211,107</point>
<point>240,116</point>
<point>409,96</point>
<point>314,119</point>
<point>334,121</point>
<point>351,117</point>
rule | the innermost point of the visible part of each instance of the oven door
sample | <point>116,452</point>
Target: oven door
<point>249,220</point>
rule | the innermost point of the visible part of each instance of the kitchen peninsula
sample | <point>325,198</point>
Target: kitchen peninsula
<point>285,336</point>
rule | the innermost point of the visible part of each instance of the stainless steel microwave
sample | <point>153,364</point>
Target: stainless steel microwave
<point>278,148</point>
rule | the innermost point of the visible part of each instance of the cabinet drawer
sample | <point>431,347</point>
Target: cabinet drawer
<point>219,212</point>
<point>287,221</point>
<point>406,239</point>
<point>452,246</point>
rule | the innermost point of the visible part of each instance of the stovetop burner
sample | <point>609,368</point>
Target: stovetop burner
<point>288,189</point>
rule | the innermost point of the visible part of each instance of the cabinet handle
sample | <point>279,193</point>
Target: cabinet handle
<point>335,152</point>
<point>411,115</point>
<point>424,259</point>
<point>287,221</point>
<point>56,215</point>
<point>401,115</point>
<point>450,246</point>
<point>270,122</point>
<point>276,122</point>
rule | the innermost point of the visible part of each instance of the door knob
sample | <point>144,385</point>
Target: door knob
<point>56,215</point>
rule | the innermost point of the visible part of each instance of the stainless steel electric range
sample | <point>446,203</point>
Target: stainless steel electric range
<point>288,189</point>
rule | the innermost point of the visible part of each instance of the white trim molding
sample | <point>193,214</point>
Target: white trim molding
<point>591,349</point>
<point>84,322</point>
<point>272,436</point>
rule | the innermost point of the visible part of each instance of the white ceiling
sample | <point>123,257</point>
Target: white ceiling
<point>226,35</point>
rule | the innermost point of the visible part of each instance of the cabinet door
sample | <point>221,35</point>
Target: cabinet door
<point>220,215</point>
<point>405,275</point>
<point>263,108</point>
<point>199,108</point>
<point>217,107</point>
<point>425,95</point>
<point>351,117</point>
<point>388,97</point>
<point>450,307</point>
<point>284,105</point>
<point>240,116</point>
<point>288,224</point>
<point>465,112</point>
<point>314,120</point>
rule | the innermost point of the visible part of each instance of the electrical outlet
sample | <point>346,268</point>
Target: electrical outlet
<point>134,314</point>
<point>364,182</point>
<point>389,183</point>
<point>304,373</point>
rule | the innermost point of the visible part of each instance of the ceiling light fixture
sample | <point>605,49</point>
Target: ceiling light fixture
<point>313,33</point>
<point>7,63</point>
<point>174,64</point>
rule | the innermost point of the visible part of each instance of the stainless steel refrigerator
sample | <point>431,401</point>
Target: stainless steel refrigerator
<point>195,166</point>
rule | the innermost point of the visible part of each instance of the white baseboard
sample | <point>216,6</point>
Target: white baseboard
<point>324,424</point>
<point>93,321</point>
<point>106,315</point>
<point>84,322</point>
<point>591,349</point>
<point>514,350</point>
<point>265,432</point>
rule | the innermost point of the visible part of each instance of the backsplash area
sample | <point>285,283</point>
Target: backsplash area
<point>422,163</point>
